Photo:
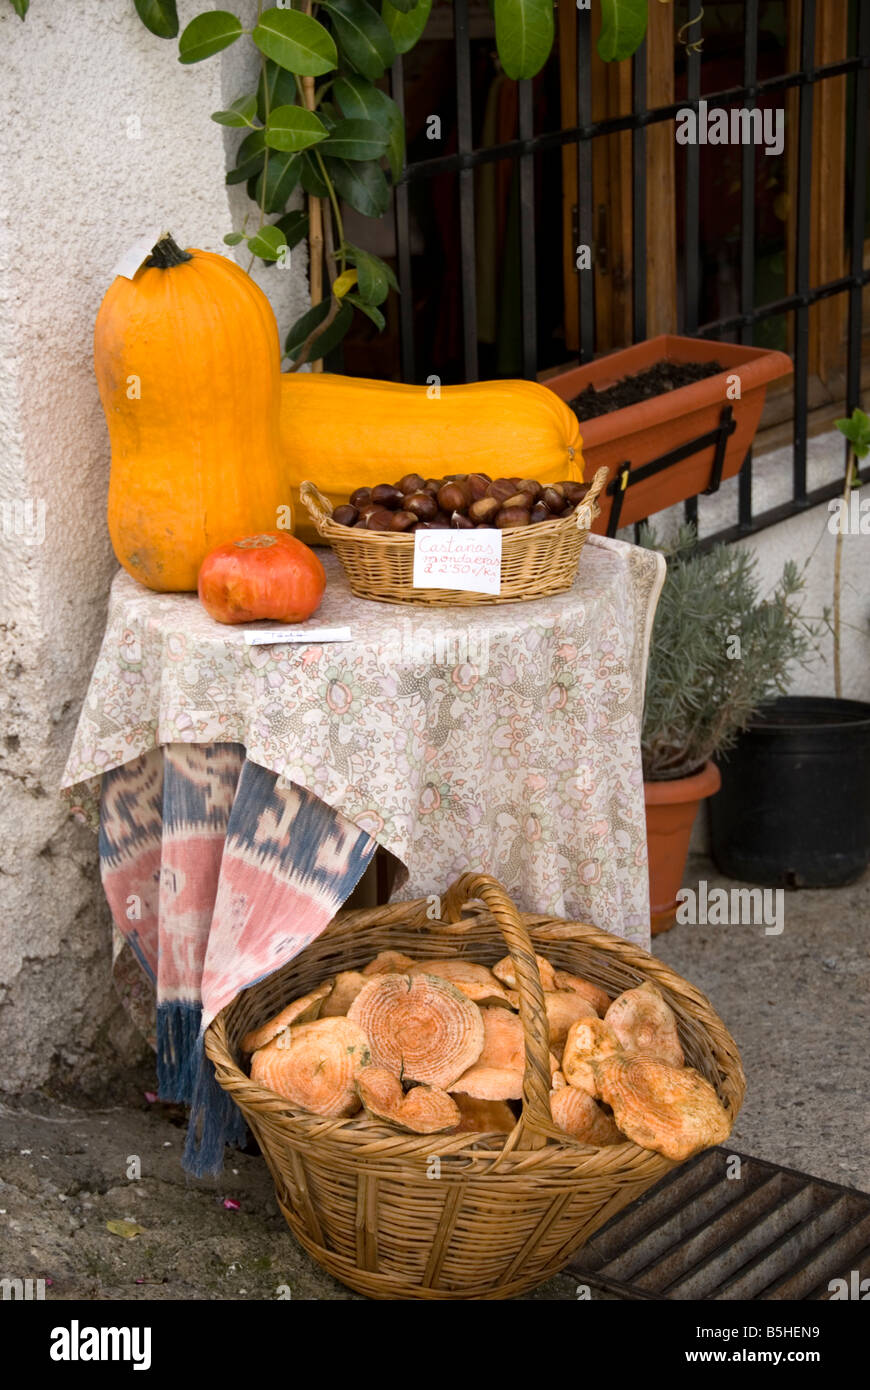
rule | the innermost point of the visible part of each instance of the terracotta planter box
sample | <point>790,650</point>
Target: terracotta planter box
<point>671,808</point>
<point>628,441</point>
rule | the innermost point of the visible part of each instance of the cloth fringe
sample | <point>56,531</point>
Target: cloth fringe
<point>215,1121</point>
<point>178,1049</point>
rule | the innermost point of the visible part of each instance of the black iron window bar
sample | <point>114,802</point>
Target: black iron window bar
<point>528,145</point>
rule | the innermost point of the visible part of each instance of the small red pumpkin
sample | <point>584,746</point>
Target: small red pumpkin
<point>272,575</point>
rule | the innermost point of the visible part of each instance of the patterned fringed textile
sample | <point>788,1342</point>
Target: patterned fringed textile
<point>216,876</point>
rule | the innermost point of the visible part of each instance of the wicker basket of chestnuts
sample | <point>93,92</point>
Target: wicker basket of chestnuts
<point>543,530</point>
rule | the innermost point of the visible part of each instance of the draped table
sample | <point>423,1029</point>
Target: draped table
<point>241,790</point>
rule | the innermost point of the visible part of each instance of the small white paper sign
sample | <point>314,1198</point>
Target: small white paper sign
<point>135,255</point>
<point>466,560</point>
<point>266,636</point>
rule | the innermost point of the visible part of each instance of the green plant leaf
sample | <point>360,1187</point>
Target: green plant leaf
<point>294,128</point>
<point>267,243</point>
<point>376,278</point>
<point>240,113</point>
<point>856,428</point>
<point>312,179</point>
<point>233,238</point>
<point>295,41</point>
<point>369,310</point>
<point>294,225</point>
<point>329,114</point>
<point>364,186</point>
<point>249,157</point>
<point>327,340</point>
<point>160,16</point>
<point>405,28</point>
<point>354,139</point>
<point>282,173</point>
<point>360,100</point>
<point>20,7</point>
<point>623,27</point>
<point>278,84</point>
<point>404,5</point>
<point>344,282</point>
<point>524,35</point>
<point>208,34</point>
<point>363,35</point>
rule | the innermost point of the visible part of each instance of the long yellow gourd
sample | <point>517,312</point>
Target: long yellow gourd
<point>348,432</point>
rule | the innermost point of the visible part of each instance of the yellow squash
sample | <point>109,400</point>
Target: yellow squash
<point>348,432</point>
<point>188,367</point>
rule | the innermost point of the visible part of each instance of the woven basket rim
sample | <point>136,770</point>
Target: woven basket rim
<point>355,1133</point>
<point>314,501</point>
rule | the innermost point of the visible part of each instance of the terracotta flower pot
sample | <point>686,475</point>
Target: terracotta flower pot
<point>642,433</point>
<point>671,808</point>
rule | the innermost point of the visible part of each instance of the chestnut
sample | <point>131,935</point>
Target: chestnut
<point>412,482</point>
<point>553,500</point>
<point>531,486</point>
<point>381,519</point>
<point>575,492</point>
<point>540,512</point>
<point>453,497</point>
<point>512,516</point>
<point>460,522</point>
<point>441,518</point>
<point>432,485</point>
<point>455,477</point>
<point>518,499</point>
<point>477,485</point>
<point>483,511</point>
<point>360,497</point>
<point>385,495</point>
<point>422,504</point>
<point>501,489</point>
<point>346,515</point>
<point>402,520</point>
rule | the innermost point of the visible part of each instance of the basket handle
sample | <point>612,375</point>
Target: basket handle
<point>318,507</point>
<point>537,1121</point>
<point>588,509</point>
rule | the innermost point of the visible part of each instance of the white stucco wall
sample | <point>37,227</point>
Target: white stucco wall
<point>103,135</point>
<point>806,539</point>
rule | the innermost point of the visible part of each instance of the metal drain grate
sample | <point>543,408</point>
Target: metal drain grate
<point>770,1233</point>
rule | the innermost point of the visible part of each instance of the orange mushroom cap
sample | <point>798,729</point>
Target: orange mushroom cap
<point>672,1110</point>
<point>301,1010</point>
<point>424,1110</point>
<point>582,1117</point>
<point>315,1065</point>
<point>643,1022</point>
<point>420,1027</point>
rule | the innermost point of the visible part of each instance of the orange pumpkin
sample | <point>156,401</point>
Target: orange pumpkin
<point>188,367</point>
<point>267,576</point>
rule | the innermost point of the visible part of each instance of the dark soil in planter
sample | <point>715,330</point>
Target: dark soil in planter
<point>654,381</point>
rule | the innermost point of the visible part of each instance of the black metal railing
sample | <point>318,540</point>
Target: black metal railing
<point>528,145</point>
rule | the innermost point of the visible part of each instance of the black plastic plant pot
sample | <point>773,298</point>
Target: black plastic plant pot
<point>794,808</point>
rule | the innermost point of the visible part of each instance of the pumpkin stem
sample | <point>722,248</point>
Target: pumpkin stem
<point>167,253</point>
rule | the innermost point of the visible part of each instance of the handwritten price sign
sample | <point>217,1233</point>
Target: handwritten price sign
<point>466,560</point>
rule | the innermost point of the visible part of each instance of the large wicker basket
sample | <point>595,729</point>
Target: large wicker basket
<point>536,561</point>
<point>402,1216</point>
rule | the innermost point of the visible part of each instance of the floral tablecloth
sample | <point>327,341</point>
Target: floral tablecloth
<point>502,738</point>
